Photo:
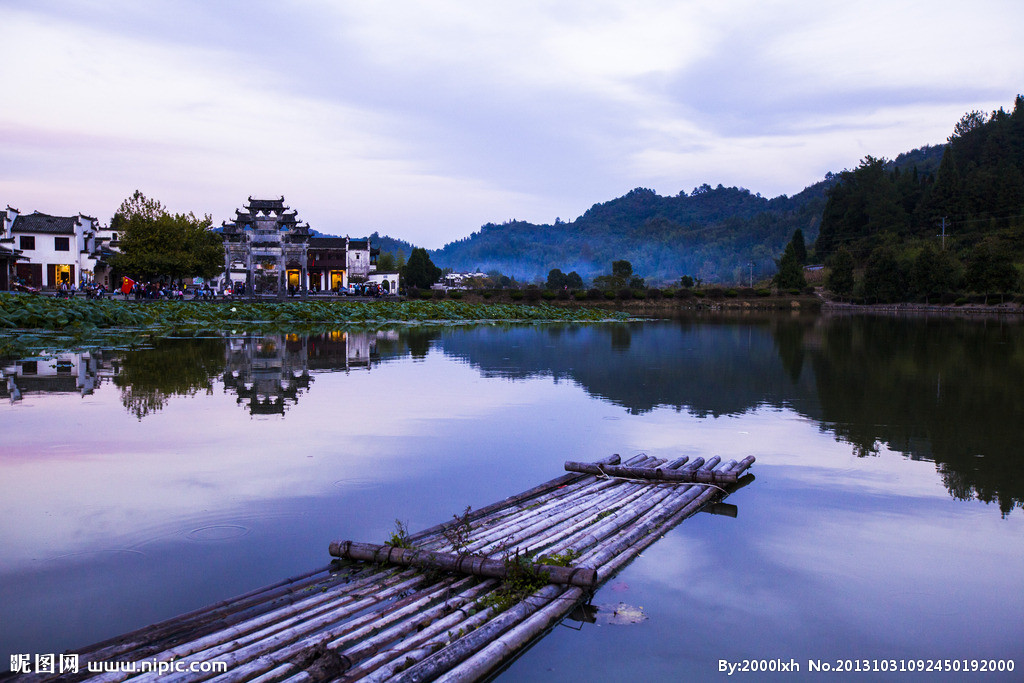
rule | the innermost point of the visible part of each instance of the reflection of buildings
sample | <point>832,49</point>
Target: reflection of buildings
<point>269,372</point>
<point>67,372</point>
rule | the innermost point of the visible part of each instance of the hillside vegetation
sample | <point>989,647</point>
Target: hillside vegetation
<point>921,235</point>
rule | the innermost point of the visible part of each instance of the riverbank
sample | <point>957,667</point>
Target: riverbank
<point>27,312</point>
<point>1008,308</point>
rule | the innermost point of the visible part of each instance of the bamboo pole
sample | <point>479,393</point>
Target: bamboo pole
<point>388,644</point>
<point>240,634</point>
<point>249,665</point>
<point>653,473</point>
<point>466,564</point>
<point>541,507</point>
<point>416,649</point>
<point>525,495</point>
<point>464,647</point>
<point>236,651</point>
<point>194,621</point>
<point>261,656</point>
<point>506,647</point>
<point>558,517</point>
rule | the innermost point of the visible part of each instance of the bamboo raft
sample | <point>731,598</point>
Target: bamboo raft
<point>421,613</point>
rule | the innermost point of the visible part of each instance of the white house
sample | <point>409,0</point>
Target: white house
<point>55,249</point>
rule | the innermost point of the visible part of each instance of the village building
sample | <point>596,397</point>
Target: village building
<point>269,252</point>
<point>49,252</point>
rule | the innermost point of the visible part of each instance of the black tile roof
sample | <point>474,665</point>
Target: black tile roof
<point>266,204</point>
<point>326,242</point>
<point>40,222</point>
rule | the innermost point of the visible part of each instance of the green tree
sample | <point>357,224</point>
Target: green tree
<point>933,273</point>
<point>556,279</point>
<point>686,282</point>
<point>420,271</point>
<point>799,246</point>
<point>840,277</point>
<point>622,269</point>
<point>386,262</point>
<point>990,269</point>
<point>156,244</point>
<point>574,280</point>
<point>884,279</point>
<point>791,273</point>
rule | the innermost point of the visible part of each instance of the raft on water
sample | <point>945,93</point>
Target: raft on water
<point>455,602</point>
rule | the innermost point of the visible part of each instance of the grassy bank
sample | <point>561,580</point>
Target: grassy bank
<point>27,312</point>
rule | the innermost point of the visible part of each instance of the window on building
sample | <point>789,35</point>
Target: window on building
<point>62,244</point>
<point>27,242</point>
<point>114,238</point>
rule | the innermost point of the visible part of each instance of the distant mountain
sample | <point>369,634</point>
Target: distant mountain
<point>712,233</point>
<point>391,245</point>
<point>720,234</point>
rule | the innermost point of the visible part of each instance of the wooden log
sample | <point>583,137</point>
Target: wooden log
<point>418,647</point>
<point>613,459</point>
<point>506,647</point>
<point>584,577</point>
<point>654,474</point>
<point>464,647</point>
<point>541,511</point>
<point>258,658</point>
<point>375,652</point>
<point>553,520</point>
<point>290,636</point>
<point>267,625</point>
<point>144,642</point>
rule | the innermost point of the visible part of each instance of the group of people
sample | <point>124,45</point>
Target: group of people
<point>92,290</point>
<point>173,291</point>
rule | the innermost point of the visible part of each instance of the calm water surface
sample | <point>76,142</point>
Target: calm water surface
<point>885,521</point>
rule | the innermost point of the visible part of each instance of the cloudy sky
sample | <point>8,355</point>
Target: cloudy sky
<point>425,120</point>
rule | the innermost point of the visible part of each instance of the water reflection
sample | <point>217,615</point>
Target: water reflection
<point>64,372</point>
<point>946,391</point>
<point>942,390</point>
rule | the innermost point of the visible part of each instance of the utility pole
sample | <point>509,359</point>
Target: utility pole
<point>943,235</point>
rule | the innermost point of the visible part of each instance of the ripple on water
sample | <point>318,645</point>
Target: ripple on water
<point>353,483</point>
<point>102,552</point>
<point>213,533</point>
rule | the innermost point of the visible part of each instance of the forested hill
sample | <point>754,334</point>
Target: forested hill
<point>711,233</point>
<point>976,193</point>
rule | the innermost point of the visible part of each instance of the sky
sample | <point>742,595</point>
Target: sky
<point>426,120</point>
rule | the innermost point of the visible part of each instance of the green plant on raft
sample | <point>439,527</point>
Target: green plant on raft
<point>560,559</point>
<point>521,581</point>
<point>400,536</point>
<point>457,534</point>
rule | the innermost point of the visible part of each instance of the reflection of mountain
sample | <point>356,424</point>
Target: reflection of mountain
<point>945,390</point>
<point>708,367</point>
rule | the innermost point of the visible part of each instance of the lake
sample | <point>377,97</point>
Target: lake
<point>885,523</point>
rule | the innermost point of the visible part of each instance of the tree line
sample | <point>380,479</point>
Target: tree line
<point>934,235</point>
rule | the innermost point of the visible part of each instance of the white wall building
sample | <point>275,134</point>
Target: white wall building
<point>55,249</point>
